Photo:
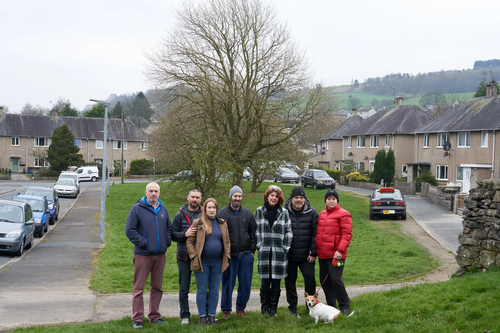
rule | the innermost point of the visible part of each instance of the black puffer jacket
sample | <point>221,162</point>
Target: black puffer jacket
<point>304,226</point>
<point>241,229</point>
<point>182,222</point>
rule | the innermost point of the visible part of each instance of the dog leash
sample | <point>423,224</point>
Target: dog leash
<point>338,265</point>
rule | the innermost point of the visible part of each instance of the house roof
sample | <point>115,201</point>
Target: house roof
<point>475,114</point>
<point>396,120</point>
<point>82,127</point>
<point>344,128</point>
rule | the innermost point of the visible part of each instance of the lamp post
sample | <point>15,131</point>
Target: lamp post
<point>103,187</point>
<point>393,93</point>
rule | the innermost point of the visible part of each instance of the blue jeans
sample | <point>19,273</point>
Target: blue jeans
<point>208,282</point>
<point>243,269</point>
<point>184,267</point>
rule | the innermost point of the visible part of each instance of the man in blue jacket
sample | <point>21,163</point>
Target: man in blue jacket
<point>149,229</point>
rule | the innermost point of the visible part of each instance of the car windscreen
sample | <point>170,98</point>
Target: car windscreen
<point>388,195</point>
<point>286,170</point>
<point>36,205</point>
<point>10,213</point>
<point>68,175</point>
<point>321,174</point>
<point>40,193</point>
<point>66,182</point>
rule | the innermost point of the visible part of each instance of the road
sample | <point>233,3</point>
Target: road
<point>14,187</point>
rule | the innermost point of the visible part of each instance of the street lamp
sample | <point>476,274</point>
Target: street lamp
<point>103,187</point>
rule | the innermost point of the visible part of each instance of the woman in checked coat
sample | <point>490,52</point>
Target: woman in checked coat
<point>274,237</point>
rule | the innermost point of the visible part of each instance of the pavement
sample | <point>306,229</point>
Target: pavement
<point>49,284</point>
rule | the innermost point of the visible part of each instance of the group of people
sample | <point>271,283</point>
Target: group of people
<point>219,245</point>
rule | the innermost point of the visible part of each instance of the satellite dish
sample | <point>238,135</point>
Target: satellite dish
<point>446,146</point>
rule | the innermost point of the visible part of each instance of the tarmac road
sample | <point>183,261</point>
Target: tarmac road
<point>49,285</point>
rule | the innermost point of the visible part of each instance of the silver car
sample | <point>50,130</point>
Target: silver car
<point>66,187</point>
<point>72,175</point>
<point>17,227</point>
<point>285,175</point>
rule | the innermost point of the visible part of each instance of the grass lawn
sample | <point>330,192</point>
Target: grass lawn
<point>378,253</point>
<point>467,304</point>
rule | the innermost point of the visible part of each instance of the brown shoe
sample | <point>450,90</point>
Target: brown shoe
<point>241,313</point>
<point>227,314</point>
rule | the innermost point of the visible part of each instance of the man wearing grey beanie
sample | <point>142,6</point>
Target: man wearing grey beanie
<point>241,225</point>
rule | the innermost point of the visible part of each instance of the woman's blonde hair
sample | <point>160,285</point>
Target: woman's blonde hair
<point>206,222</point>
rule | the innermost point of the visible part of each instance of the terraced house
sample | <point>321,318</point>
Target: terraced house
<point>25,139</point>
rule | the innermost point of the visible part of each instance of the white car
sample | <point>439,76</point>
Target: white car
<point>88,172</point>
<point>72,175</point>
<point>66,187</point>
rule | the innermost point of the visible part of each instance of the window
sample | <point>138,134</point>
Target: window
<point>426,141</point>
<point>442,138</point>
<point>441,172</point>
<point>98,144</point>
<point>349,142</point>
<point>117,144</point>
<point>460,173</point>
<point>484,139</point>
<point>463,139</point>
<point>144,145</point>
<point>98,160</point>
<point>387,140</point>
<point>42,142</point>
<point>15,141</point>
<point>40,163</point>
<point>374,141</point>
<point>78,143</point>
<point>360,165</point>
<point>361,141</point>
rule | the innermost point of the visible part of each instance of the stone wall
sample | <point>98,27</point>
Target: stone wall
<point>406,188</point>
<point>366,186</point>
<point>480,240</point>
<point>435,195</point>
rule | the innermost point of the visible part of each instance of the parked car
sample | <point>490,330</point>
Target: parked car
<point>387,201</point>
<point>17,227</point>
<point>72,175</point>
<point>184,175</point>
<point>66,187</point>
<point>88,172</point>
<point>41,213</point>
<point>317,179</point>
<point>246,174</point>
<point>51,195</point>
<point>286,175</point>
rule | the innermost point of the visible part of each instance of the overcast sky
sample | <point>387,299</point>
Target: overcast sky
<point>93,48</point>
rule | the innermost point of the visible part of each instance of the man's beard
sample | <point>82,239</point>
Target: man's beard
<point>194,205</point>
<point>235,204</point>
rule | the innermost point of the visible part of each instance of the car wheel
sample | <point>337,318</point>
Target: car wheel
<point>372,217</point>
<point>303,184</point>
<point>56,217</point>
<point>275,180</point>
<point>296,182</point>
<point>94,179</point>
<point>46,228</point>
<point>52,220</point>
<point>403,217</point>
<point>30,244</point>
<point>315,186</point>
<point>21,250</point>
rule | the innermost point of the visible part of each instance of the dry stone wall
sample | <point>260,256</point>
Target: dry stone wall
<point>480,240</point>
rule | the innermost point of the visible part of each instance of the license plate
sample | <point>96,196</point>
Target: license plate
<point>387,211</point>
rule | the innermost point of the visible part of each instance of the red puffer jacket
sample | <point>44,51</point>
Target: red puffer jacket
<point>334,232</point>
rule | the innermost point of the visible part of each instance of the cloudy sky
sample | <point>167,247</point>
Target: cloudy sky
<point>78,50</point>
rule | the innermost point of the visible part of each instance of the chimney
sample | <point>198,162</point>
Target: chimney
<point>398,101</point>
<point>55,112</point>
<point>491,89</point>
<point>354,111</point>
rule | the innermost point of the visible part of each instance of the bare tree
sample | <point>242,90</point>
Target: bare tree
<point>237,80</point>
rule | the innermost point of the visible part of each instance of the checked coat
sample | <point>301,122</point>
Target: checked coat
<point>273,244</point>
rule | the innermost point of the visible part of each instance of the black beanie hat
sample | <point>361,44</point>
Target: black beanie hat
<point>298,190</point>
<point>332,192</point>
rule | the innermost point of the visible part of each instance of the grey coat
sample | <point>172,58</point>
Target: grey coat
<point>273,244</point>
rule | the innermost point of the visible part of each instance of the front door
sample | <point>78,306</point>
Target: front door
<point>15,165</point>
<point>466,181</point>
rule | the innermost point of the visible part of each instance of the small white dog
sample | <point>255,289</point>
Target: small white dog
<point>320,311</point>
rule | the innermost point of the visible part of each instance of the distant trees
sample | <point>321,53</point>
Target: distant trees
<point>62,151</point>
<point>30,109</point>
<point>65,108</point>
<point>141,112</point>
<point>481,90</point>
<point>117,111</point>
<point>97,111</point>
<point>354,103</point>
<point>436,98</point>
<point>481,64</point>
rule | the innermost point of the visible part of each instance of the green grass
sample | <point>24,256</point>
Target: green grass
<point>378,253</point>
<point>466,304</point>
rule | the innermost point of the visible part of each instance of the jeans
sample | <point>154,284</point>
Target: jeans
<point>184,267</point>
<point>308,271</point>
<point>243,269</point>
<point>208,282</point>
<point>334,286</point>
<point>143,266</point>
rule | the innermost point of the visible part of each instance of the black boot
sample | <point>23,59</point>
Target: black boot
<point>203,321</point>
<point>273,306</point>
<point>211,320</point>
<point>265,296</point>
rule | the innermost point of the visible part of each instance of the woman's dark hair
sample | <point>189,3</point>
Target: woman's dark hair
<point>274,188</point>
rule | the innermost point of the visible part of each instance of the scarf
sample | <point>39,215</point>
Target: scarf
<point>271,213</point>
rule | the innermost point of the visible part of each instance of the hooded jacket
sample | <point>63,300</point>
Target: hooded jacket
<point>149,229</point>
<point>334,232</point>
<point>304,226</point>
<point>182,221</point>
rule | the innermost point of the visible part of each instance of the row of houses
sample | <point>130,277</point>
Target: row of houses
<point>25,139</point>
<point>459,146</point>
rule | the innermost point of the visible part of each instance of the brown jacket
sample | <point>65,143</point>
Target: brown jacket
<point>195,245</point>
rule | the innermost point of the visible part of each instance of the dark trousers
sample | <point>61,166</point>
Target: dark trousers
<point>243,269</point>
<point>308,271</point>
<point>334,285</point>
<point>184,267</point>
<point>273,284</point>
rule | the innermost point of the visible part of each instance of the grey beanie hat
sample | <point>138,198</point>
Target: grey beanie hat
<point>235,189</point>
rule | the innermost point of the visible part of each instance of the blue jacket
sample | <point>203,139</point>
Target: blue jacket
<point>149,229</point>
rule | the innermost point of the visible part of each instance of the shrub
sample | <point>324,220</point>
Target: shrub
<point>47,173</point>
<point>335,174</point>
<point>357,177</point>
<point>141,167</point>
<point>425,177</point>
